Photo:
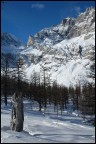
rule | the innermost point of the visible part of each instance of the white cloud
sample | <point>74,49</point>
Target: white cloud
<point>38,6</point>
<point>77,9</point>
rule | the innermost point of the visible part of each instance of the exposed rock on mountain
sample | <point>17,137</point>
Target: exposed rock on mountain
<point>30,41</point>
<point>85,23</point>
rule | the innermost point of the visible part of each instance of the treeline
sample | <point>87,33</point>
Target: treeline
<point>47,93</point>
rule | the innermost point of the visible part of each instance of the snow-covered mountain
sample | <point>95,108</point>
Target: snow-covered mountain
<point>56,49</point>
<point>10,44</point>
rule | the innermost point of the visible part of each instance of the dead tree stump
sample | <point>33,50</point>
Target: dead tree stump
<point>17,115</point>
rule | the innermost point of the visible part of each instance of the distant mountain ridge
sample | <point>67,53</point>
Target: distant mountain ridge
<point>10,44</point>
<point>68,28</point>
<point>9,39</point>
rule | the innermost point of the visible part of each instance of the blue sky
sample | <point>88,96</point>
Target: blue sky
<point>22,18</point>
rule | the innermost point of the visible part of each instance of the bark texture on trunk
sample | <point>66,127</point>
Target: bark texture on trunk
<point>17,115</point>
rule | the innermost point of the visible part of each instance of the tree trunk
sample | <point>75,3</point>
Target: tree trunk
<point>17,116</point>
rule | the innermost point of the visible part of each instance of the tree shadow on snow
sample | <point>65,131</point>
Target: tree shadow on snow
<point>5,128</point>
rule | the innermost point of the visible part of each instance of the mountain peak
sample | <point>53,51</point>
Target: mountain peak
<point>30,40</point>
<point>68,21</point>
<point>8,38</point>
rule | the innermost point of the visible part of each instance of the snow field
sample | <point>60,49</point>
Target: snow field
<point>48,127</point>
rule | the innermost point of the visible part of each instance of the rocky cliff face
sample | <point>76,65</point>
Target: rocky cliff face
<point>84,23</point>
<point>30,41</point>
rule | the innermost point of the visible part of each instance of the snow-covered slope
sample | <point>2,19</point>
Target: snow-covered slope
<point>45,128</point>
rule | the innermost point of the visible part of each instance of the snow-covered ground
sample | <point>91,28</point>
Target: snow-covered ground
<point>45,128</point>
